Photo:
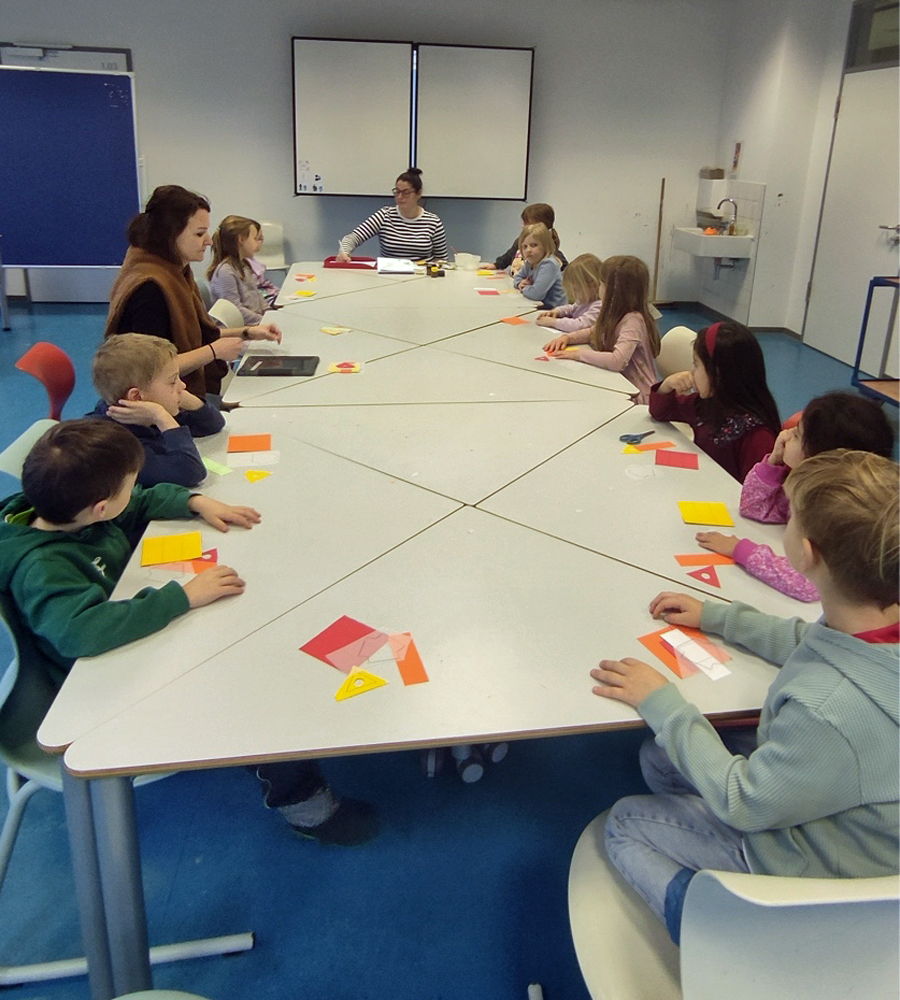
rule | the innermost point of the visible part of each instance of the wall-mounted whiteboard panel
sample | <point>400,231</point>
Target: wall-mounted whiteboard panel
<point>352,116</point>
<point>472,122</point>
<point>68,167</point>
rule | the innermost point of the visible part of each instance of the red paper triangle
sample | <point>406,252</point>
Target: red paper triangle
<point>707,574</point>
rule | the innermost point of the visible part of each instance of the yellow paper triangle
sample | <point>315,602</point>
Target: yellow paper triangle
<point>630,449</point>
<point>358,682</point>
<point>254,475</point>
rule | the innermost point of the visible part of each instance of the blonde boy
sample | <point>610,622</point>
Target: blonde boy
<point>138,381</point>
<point>816,794</point>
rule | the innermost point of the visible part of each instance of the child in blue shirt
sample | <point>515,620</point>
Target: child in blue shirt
<point>541,277</point>
<point>139,385</point>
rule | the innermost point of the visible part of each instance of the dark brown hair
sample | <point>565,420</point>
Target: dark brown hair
<point>541,212</point>
<point>737,377</point>
<point>164,219</point>
<point>76,464</point>
<point>845,420</point>
<point>413,177</point>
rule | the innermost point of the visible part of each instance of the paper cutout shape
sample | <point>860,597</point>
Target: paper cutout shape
<point>345,644</point>
<point>304,277</point>
<point>678,459</point>
<point>333,331</point>
<point>688,648</point>
<point>302,293</point>
<point>255,475</point>
<point>630,449</point>
<point>216,467</point>
<point>250,459</point>
<point>358,682</point>
<point>171,548</point>
<point>679,665</point>
<point>704,559</point>
<point>705,512</point>
<point>249,442</point>
<point>345,368</point>
<point>409,663</point>
<point>543,357</point>
<point>655,445</point>
<point>514,320</point>
<point>487,291</point>
<point>706,575</point>
<point>207,560</point>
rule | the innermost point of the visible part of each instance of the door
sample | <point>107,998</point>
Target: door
<point>861,196</point>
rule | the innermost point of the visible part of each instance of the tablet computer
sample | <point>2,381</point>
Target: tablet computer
<point>257,364</point>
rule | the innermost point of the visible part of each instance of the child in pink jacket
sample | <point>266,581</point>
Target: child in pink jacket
<point>835,420</point>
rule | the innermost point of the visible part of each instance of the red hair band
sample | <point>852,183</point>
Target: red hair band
<point>711,332</point>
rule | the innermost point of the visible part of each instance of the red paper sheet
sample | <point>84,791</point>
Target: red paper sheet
<point>678,459</point>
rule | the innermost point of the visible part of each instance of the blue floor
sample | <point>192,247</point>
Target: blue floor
<point>462,895</point>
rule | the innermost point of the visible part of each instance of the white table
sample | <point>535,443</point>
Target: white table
<point>327,281</point>
<point>371,512</point>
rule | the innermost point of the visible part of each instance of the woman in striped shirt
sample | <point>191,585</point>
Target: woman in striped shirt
<point>404,229</point>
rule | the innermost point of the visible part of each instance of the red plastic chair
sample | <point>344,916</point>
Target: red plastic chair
<point>52,366</point>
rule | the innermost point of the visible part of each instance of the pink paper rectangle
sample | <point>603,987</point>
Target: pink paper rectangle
<point>678,459</point>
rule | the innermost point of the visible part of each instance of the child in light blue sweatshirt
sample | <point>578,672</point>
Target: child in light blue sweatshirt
<point>815,793</point>
<point>541,277</point>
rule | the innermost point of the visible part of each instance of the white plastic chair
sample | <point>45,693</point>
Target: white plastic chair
<point>272,251</point>
<point>676,351</point>
<point>226,314</point>
<point>742,936</point>
<point>13,456</point>
<point>28,770</point>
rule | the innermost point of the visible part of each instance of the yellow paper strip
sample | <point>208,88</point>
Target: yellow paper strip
<point>171,548</point>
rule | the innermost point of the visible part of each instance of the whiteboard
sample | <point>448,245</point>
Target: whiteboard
<point>472,120</point>
<point>365,111</point>
<point>68,167</point>
<point>352,116</point>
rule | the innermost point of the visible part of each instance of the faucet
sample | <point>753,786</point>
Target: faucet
<point>733,218</point>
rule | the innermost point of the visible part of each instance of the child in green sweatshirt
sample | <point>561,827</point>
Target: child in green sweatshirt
<point>64,542</point>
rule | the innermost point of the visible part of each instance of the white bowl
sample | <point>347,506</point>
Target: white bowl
<point>467,261</point>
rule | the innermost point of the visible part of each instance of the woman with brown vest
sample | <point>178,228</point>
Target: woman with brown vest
<point>156,293</point>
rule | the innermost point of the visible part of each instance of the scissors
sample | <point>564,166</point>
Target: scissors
<point>635,438</point>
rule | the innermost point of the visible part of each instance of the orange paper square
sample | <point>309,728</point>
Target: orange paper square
<point>250,442</point>
<point>514,320</point>
<point>679,666</point>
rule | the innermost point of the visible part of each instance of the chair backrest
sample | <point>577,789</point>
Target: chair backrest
<point>226,314</point>
<point>676,351</point>
<point>53,367</point>
<point>205,293</point>
<point>272,251</point>
<point>749,936</point>
<point>742,936</point>
<point>13,456</point>
<point>624,952</point>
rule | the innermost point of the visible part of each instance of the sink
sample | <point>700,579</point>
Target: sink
<point>699,245</point>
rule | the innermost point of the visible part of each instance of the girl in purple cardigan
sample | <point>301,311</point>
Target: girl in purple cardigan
<point>835,420</point>
<point>581,282</point>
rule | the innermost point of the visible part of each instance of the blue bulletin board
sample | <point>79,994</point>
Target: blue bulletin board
<point>68,167</point>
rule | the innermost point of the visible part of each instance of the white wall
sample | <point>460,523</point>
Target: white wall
<point>626,92</point>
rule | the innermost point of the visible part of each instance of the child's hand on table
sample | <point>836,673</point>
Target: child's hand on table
<point>211,584</point>
<point>546,318</point>
<point>677,609</point>
<point>627,680</point>
<point>715,541</point>
<point>557,345</point>
<point>220,515</point>
<point>189,401</point>
<point>681,383</point>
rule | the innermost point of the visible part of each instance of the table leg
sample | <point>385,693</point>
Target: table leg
<point>88,887</point>
<point>119,859</point>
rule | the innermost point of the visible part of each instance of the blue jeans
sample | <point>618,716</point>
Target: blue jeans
<point>651,838</point>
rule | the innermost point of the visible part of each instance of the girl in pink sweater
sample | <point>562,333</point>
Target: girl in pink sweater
<point>835,420</point>
<point>624,338</point>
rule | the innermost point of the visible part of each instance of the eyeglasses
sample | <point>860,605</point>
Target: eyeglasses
<point>404,191</point>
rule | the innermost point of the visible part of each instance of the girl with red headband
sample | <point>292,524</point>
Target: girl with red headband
<point>724,397</point>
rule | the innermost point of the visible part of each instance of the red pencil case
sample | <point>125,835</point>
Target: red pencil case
<point>355,263</point>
